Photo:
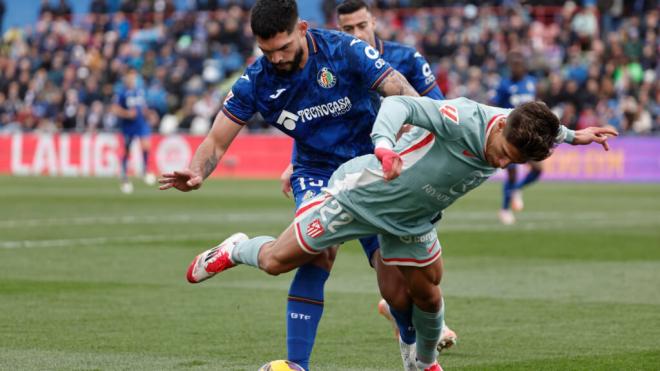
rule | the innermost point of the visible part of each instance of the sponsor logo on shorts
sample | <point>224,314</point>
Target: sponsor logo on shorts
<point>315,229</point>
<point>429,237</point>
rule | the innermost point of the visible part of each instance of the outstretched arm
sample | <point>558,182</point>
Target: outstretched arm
<point>594,134</point>
<point>206,157</point>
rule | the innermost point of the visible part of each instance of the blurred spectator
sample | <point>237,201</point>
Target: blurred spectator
<point>595,62</point>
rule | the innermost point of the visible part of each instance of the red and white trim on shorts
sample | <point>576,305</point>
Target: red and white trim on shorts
<point>301,240</point>
<point>304,208</point>
<point>414,262</point>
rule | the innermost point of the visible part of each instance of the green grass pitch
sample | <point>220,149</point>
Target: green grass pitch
<point>91,279</point>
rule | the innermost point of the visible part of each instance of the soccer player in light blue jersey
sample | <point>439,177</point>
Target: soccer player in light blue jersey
<point>354,18</point>
<point>316,86</point>
<point>131,109</point>
<point>395,193</point>
<point>518,88</point>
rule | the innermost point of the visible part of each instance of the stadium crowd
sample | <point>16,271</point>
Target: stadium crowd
<point>596,62</point>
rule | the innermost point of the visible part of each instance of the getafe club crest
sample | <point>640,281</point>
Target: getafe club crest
<point>326,78</point>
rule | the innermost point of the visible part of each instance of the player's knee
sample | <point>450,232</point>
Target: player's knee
<point>326,258</point>
<point>272,266</point>
<point>397,297</point>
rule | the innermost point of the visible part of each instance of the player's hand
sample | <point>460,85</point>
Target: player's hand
<point>391,161</point>
<point>285,180</point>
<point>184,180</point>
<point>594,134</point>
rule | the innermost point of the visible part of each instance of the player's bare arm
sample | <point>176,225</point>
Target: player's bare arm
<point>206,157</point>
<point>396,84</point>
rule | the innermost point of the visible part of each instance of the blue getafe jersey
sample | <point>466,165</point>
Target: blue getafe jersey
<point>326,106</point>
<point>128,99</point>
<point>511,94</point>
<point>412,65</point>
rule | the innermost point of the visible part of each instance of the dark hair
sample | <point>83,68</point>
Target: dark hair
<point>532,128</point>
<point>270,17</point>
<point>351,6</point>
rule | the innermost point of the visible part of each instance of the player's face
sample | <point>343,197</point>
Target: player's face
<point>130,80</point>
<point>517,68</point>
<point>499,152</point>
<point>285,50</point>
<point>359,24</point>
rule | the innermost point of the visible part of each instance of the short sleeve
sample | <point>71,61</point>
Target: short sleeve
<point>422,79</point>
<point>366,61</point>
<point>239,105</point>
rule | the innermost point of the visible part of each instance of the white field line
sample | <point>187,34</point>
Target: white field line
<point>450,219</point>
<point>97,241</point>
<point>146,219</point>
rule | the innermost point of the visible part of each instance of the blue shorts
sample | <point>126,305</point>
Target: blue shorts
<point>306,186</point>
<point>136,130</point>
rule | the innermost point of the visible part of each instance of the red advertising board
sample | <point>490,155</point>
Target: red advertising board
<point>251,156</point>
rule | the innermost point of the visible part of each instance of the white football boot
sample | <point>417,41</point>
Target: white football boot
<point>448,338</point>
<point>506,217</point>
<point>215,260</point>
<point>517,203</point>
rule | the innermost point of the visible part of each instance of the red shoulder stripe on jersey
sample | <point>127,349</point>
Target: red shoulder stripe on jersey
<point>381,78</point>
<point>304,244</point>
<point>232,117</point>
<point>311,37</point>
<point>418,145</point>
<point>492,120</point>
<point>416,261</point>
<point>428,90</point>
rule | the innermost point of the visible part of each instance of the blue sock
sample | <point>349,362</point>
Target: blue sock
<point>531,177</point>
<point>509,187</point>
<point>124,167</point>
<point>145,161</point>
<point>303,312</point>
<point>404,322</point>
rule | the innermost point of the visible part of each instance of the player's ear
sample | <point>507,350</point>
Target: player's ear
<point>303,26</point>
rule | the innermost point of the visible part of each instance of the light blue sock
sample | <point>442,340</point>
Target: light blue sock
<point>247,252</point>
<point>428,327</point>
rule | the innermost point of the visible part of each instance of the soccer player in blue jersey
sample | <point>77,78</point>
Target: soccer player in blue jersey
<point>130,108</point>
<point>317,87</point>
<point>518,88</point>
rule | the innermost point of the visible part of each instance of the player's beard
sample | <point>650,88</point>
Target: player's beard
<point>288,68</point>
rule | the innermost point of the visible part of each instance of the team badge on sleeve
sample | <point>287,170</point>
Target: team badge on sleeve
<point>326,78</point>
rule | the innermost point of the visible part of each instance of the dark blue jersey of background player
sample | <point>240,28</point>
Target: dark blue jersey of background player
<point>412,65</point>
<point>131,98</point>
<point>516,89</point>
<point>325,106</point>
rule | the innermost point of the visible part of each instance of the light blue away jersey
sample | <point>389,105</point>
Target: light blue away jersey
<point>326,106</point>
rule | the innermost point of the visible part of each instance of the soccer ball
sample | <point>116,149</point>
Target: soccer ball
<point>281,365</point>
